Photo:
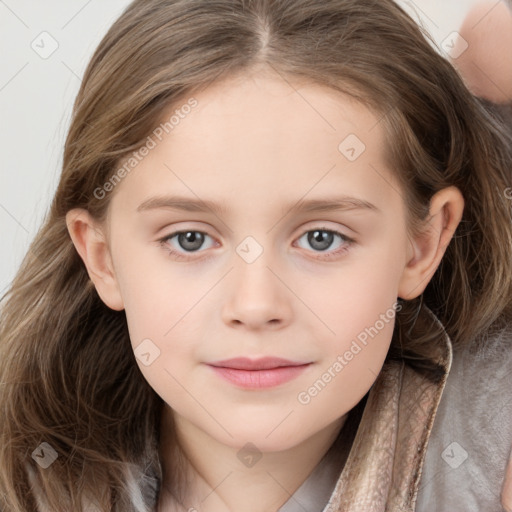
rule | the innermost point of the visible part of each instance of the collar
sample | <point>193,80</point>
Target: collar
<point>384,464</point>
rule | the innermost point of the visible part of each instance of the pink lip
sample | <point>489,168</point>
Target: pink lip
<point>260,373</point>
<point>263,363</point>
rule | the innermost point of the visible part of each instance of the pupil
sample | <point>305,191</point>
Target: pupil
<point>324,238</point>
<point>191,237</point>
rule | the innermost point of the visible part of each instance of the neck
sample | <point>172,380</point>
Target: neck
<point>205,475</point>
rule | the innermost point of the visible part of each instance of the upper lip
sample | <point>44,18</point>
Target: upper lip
<point>263,363</point>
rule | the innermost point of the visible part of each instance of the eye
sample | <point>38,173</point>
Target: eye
<point>188,240</point>
<point>321,239</point>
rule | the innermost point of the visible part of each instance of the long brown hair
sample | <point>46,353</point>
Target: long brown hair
<point>68,375</point>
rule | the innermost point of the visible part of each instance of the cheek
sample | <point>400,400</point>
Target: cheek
<point>351,361</point>
<point>356,295</point>
<point>162,310</point>
<point>157,293</point>
<point>359,308</point>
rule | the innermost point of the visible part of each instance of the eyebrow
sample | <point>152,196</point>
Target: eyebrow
<point>326,204</point>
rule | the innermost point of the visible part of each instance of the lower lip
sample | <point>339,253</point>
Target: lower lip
<point>260,379</point>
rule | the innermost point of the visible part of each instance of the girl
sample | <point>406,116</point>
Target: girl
<point>274,222</point>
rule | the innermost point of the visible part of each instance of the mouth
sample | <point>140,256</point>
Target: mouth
<point>262,363</point>
<point>260,373</point>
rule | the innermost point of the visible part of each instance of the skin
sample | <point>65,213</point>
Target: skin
<point>486,65</point>
<point>257,144</point>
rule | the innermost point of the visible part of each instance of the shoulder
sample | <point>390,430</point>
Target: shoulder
<point>471,437</point>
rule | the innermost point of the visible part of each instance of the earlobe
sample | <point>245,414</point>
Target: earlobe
<point>428,248</point>
<point>91,244</point>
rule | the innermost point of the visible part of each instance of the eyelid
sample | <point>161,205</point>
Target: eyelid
<point>324,226</point>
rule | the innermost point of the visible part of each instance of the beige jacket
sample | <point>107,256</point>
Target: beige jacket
<point>389,468</point>
<point>384,466</point>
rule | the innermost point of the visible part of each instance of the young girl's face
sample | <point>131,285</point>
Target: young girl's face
<point>262,273</point>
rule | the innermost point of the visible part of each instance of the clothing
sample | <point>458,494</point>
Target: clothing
<point>389,467</point>
<point>315,491</point>
<point>476,413</point>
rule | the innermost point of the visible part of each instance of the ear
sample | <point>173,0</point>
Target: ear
<point>91,244</point>
<point>428,248</point>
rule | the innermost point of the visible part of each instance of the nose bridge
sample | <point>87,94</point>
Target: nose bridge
<point>256,295</point>
<point>253,263</point>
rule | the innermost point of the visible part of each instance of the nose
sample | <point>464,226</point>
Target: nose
<point>256,297</point>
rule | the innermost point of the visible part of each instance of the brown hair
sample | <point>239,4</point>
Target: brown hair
<point>502,112</point>
<point>67,370</point>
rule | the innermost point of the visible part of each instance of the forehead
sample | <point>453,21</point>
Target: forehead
<point>253,136</point>
<point>271,105</point>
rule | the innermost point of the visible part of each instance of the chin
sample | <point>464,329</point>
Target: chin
<point>265,439</point>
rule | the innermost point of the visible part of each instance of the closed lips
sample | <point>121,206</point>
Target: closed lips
<point>267,363</point>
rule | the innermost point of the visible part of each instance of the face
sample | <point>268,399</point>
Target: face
<point>260,273</point>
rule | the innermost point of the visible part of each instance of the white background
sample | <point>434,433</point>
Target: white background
<point>36,97</point>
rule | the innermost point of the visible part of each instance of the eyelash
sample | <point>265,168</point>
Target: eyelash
<point>322,255</point>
